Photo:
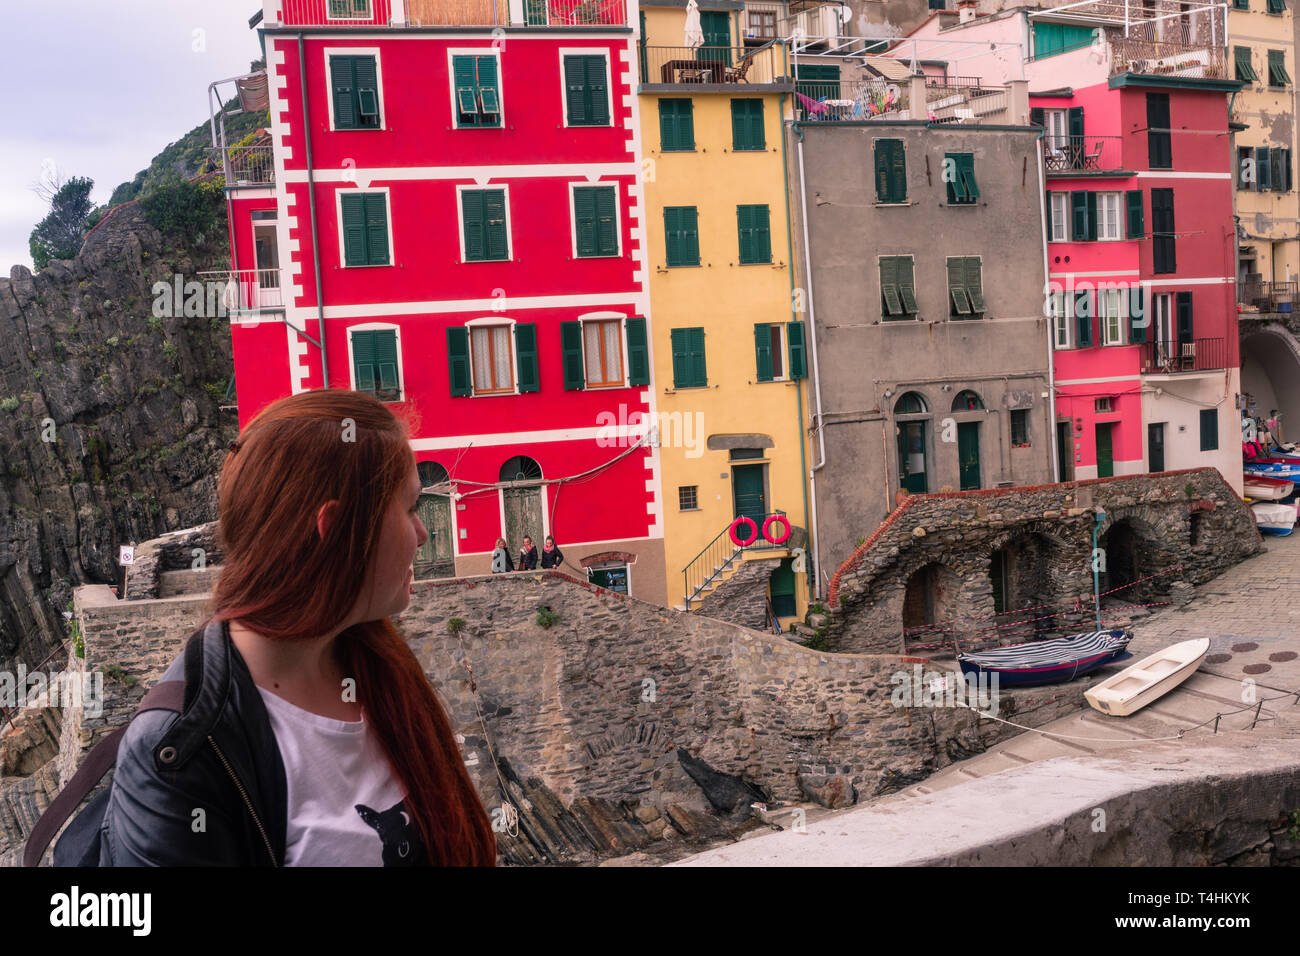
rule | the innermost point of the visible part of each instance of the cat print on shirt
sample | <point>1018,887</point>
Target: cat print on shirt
<point>402,845</point>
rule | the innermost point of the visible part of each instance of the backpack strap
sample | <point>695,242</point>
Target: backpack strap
<point>167,695</point>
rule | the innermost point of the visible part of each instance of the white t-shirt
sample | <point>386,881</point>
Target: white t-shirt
<point>345,804</point>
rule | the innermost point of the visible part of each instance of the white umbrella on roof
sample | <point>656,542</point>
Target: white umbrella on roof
<point>694,33</point>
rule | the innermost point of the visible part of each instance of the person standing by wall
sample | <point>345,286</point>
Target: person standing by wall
<point>528,555</point>
<point>501,558</point>
<point>552,556</point>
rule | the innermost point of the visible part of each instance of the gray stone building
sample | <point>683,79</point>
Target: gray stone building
<point>923,277</point>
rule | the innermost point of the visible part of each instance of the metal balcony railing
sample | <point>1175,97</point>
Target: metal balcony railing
<point>1166,58</point>
<point>1063,154</point>
<point>713,64</point>
<point>719,556</point>
<point>440,13</point>
<point>247,166</point>
<point>849,99</point>
<point>1197,355</point>
<point>1268,296</point>
<point>248,291</point>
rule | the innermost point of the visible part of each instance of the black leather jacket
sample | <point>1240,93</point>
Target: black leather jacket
<point>219,756</point>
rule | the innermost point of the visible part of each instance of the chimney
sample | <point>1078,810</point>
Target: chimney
<point>966,10</point>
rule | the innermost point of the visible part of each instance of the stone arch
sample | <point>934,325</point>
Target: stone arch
<point>1270,364</point>
<point>1133,551</point>
<point>931,599</point>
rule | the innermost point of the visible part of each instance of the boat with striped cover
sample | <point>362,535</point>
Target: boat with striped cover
<point>1050,662</point>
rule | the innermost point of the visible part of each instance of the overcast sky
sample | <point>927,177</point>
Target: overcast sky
<point>100,88</point>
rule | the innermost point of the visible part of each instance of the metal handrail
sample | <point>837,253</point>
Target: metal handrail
<point>718,556</point>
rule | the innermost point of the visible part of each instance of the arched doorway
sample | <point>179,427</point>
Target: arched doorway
<point>437,558</point>
<point>1130,554</point>
<point>522,502</point>
<point>930,599</point>
<point>968,441</point>
<point>1270,367</point>
<point>1023,574</point>
<point>913,453</point>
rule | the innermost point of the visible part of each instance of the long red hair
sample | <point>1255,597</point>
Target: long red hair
<point>282,581</point>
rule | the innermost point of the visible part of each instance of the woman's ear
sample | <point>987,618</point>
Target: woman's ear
<point>325,518</point>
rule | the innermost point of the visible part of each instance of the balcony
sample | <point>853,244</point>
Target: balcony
<point>714,65</point>
<point>1135,54</point>
<point>451,13</point>
<point>1072,155</point>
<point>1262,296</point>
<point>1172,358</point>
<point>247,167</point>
<point>248,291</point>
<point>953,99</point>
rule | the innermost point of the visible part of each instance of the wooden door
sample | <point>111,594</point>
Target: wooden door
<point>911,457</point>
<point>747,495</point>
<point>717,37</point>
<point>1065,451</point>
<point>968,455</point>
<point>436,559</point>
<point>523,508</point>
<point>1105,455</point>
<point>1156,447</point>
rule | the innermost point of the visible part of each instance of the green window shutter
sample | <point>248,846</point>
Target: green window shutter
<point>584,220</point>
<point>1082,318</point>
<point>1092,214</point>
<point>1277,173</point>
<point>954,187</point>
<point>974,285</point>
<point>571,355</point>
<point>898,172</point>
<point>464,76</point>
<point>494,214</point>
<point>683,373</point>
<point>1276,6</point>
<point>1133,210</point>
<point>344,90</point>
<point>458,360</point>
<point>1074,119</point>
<point>597,91</point>
<point>1286,167</point>
<point>754,226</point>
<point>363,360</point>
<point>1078,215</point>
<point>575,90</point>
<point>763,351</point>
<point>385,344</point>
<point>962,190</point>
<point>967,170</point>
<point>354,229</point>
<point>1277,74</point>
<point>960,302</point>
<point>891,170</point>
<point>606,221</point>
<point>1246,72</point>
<point>881,155</point>
<point>1186,331</point>
<point>798,363</point>
<point>1137,316</point>
<point>638,352</point>
<point>1037,117</point>
<point>1263,169</point>
<point>526,356</point>
<point>365,75</point>
<point>489,91</point>
<point>676,125</point>
<point>1209,429</point>
<point>377,229</point>
<point>747,125</point>
<point>699,373</point>
<point>471,202</point>
<point>682,235</point>
<point>906,284</point>
<point>891,302</point>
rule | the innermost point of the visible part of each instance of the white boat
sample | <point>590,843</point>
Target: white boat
<point>1275,518</point>
<point>1149,679</point>
<point>1268,489</point>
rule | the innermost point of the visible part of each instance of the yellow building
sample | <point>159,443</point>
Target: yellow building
<point>1261,53</point>
<point>729,350</point>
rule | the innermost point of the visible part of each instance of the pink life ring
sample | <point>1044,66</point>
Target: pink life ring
<point>767,529</point>
<point>736,524</point>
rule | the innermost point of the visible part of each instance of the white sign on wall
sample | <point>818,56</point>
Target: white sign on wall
<point>126,555</point>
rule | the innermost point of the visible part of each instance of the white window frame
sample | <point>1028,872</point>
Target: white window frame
<point>388,215</point>
<point>1115,221</point>
<point>1106,298</point>
<point>1057,139</point>
<point>454,52</point>
<point>490,321</point>
<point>609,85</point>
<point>370,13</point>
<point>785,348</point>
<point>460,222</point>
<point>379,327</point>
<point>1162,319</point>
<point>1060,318</point>
<point>334,51</point>
<point>608,565</point>
<point>1060,217</point>
<point>622,331</point>
<point>573,216</point>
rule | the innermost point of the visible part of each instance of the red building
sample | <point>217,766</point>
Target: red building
<point>452,197</point>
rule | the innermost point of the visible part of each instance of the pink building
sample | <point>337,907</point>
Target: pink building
<point>1140,247</point>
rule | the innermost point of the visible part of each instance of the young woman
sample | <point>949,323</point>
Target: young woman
<point>528,555</point>
<point>552,557</point>
<point>501,558</point>
<point>310,733</point>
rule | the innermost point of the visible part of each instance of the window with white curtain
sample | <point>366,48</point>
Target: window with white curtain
<point>490,354</point>
<point>1060,215</point>
<point>602,346</point>
<point>1110,225</point>
<point>1060,320</point>
<point>1112,327</point>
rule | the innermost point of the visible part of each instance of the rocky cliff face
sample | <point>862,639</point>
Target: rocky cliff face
<point>111,430</point>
